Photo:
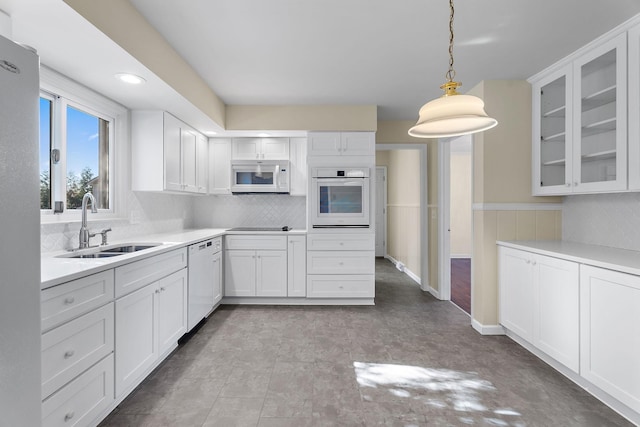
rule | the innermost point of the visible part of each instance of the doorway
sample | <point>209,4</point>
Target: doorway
<point>406,243</point>
<point>381,211</point>
<point>456,190</point>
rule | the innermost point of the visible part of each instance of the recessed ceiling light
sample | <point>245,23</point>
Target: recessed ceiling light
<point>130,78</point>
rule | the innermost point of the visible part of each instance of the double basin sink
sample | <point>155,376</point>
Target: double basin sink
<point>109,251</point>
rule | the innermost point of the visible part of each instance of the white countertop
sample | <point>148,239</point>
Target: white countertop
<point>55,271</point>
<point>623,260</point>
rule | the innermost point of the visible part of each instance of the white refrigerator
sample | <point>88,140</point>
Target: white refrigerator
<point>19,237</point>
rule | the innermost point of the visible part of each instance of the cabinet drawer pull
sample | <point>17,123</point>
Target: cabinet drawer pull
<point>69,415</point>
<point>69,354</point>
<point>341,263</point>
<point>69,300</point>
<point>157,291</point>
<point>533,263</point>
<point>162,289</point>
<point>528,261</point>
<point>341,243</point>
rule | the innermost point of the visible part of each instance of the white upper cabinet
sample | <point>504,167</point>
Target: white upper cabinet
<point>220,166</point>
<point>341,143</point>
<point>634,107</point>
<point>298,166</point>
<point>580,123</point>
<point>260,148</point>
<point>167,154</point>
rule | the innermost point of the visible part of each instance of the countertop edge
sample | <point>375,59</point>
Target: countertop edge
<point>623,260</point>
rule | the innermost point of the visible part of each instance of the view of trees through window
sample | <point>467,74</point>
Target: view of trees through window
<point>85,154</point>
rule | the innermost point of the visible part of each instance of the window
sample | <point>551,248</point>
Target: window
<point>75,146</point>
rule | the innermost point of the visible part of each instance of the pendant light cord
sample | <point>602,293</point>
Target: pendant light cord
<point>451,73</point>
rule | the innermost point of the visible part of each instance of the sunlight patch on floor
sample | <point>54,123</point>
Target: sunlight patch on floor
<point>438,388</point>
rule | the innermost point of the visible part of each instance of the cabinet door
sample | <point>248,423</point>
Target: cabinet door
<point>172,153</point>
<point>240,273</point>
<point>217,277</point>
<point>271,273</point>
<point>298,166</point>
<point>557,303</point>
<point>634,107</point>
<point>189,170</point>
<point>553,133</point>
<point>136,336</point>
<point>246,148</point>
<point>515,278</point>
<point>202,164</point>
<point>357,143</point>
<point>324,143</point>
<point>171,294</point>
<point>274,149</point>
<point>600,119</point>
<point>609,338</point>
<point>220,166</point>
<point>297,267</point>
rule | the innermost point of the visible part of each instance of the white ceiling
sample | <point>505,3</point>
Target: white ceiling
<point>391,53</point>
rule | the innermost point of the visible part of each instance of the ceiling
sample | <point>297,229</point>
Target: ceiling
<point>393,54</point>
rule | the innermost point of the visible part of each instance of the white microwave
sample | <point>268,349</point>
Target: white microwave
<point>340,197</point>
<point>260,176</point>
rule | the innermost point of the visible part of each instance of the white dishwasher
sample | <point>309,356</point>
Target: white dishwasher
<point>205,279</point>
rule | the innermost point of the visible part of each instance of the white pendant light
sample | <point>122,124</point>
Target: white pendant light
<point>452,114</point>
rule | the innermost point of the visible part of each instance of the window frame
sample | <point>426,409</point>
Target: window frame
<point>65,92</point>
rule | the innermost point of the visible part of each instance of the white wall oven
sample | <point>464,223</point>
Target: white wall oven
<point>260,176</point>
<point>340,197</point>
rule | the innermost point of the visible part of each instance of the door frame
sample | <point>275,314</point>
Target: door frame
<point>384,208</point>
<point>424,211</point>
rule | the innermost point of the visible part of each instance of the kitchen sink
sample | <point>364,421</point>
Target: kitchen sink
<point>109,251</point>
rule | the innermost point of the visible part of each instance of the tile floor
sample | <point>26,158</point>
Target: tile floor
<point>409,361</point>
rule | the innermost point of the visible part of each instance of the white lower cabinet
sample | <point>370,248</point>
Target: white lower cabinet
<point>149,322</point>
<point>83,399</point>
<point>340,265</point>
<point>255,266</point>
<point>297,266</point>
<point>539,302</point>
<point>609,334</point>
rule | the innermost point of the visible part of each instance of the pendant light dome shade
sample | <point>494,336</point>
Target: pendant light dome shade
<point>452,115</point>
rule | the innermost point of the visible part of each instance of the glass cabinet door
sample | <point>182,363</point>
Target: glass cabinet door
<point>552,133</point>
<point>600,125</point>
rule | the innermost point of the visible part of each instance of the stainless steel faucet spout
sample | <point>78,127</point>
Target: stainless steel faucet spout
<point>85,234</point>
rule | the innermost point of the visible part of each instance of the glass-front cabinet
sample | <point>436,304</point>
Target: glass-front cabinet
<point>580,124</point>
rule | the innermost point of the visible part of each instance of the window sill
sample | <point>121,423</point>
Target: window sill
<point>76,217</point>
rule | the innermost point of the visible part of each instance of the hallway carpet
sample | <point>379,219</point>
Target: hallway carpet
<point>410,360</point>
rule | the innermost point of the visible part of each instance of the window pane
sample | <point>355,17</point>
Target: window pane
<point>45,153</point>
<point>87,158</point>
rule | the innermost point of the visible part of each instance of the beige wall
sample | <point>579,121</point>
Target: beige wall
<point>460,204</point>
<point>395,132</point>
<point>502,174</point>
<point>403,208</point>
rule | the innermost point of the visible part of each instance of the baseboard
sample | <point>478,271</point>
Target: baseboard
<point>406,271</point>
<point>295,301</point>
<point>589,387</point>
<point>487,329</point>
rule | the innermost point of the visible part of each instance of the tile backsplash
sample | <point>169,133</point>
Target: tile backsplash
<point>149,213</point>
<point>250,210</point>
<point>603,219</point>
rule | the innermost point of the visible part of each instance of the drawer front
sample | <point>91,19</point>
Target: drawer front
<point>83,399</point>
<point>341,242</point>
<point>64,302</point>
<point>256,242</point>
<point>341,262</point>
<point>73,347</point>
<point>140,273</point>
<point>340,286</point>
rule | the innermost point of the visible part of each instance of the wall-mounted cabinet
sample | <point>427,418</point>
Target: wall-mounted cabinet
<point>341,143</point>
<point>260,148</point>
<point>580,123</point>
<point>168,154</point>
<point>220,166</point>
<point>298,166</point>
<point>634,107</point>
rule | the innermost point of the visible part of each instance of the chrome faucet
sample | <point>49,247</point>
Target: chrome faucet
<point>85,234</point>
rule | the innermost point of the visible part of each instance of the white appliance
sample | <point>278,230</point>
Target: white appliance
<point>340,197</point>
<point>260,176</point>
<point>205,275</point>
<point>20,365</point>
